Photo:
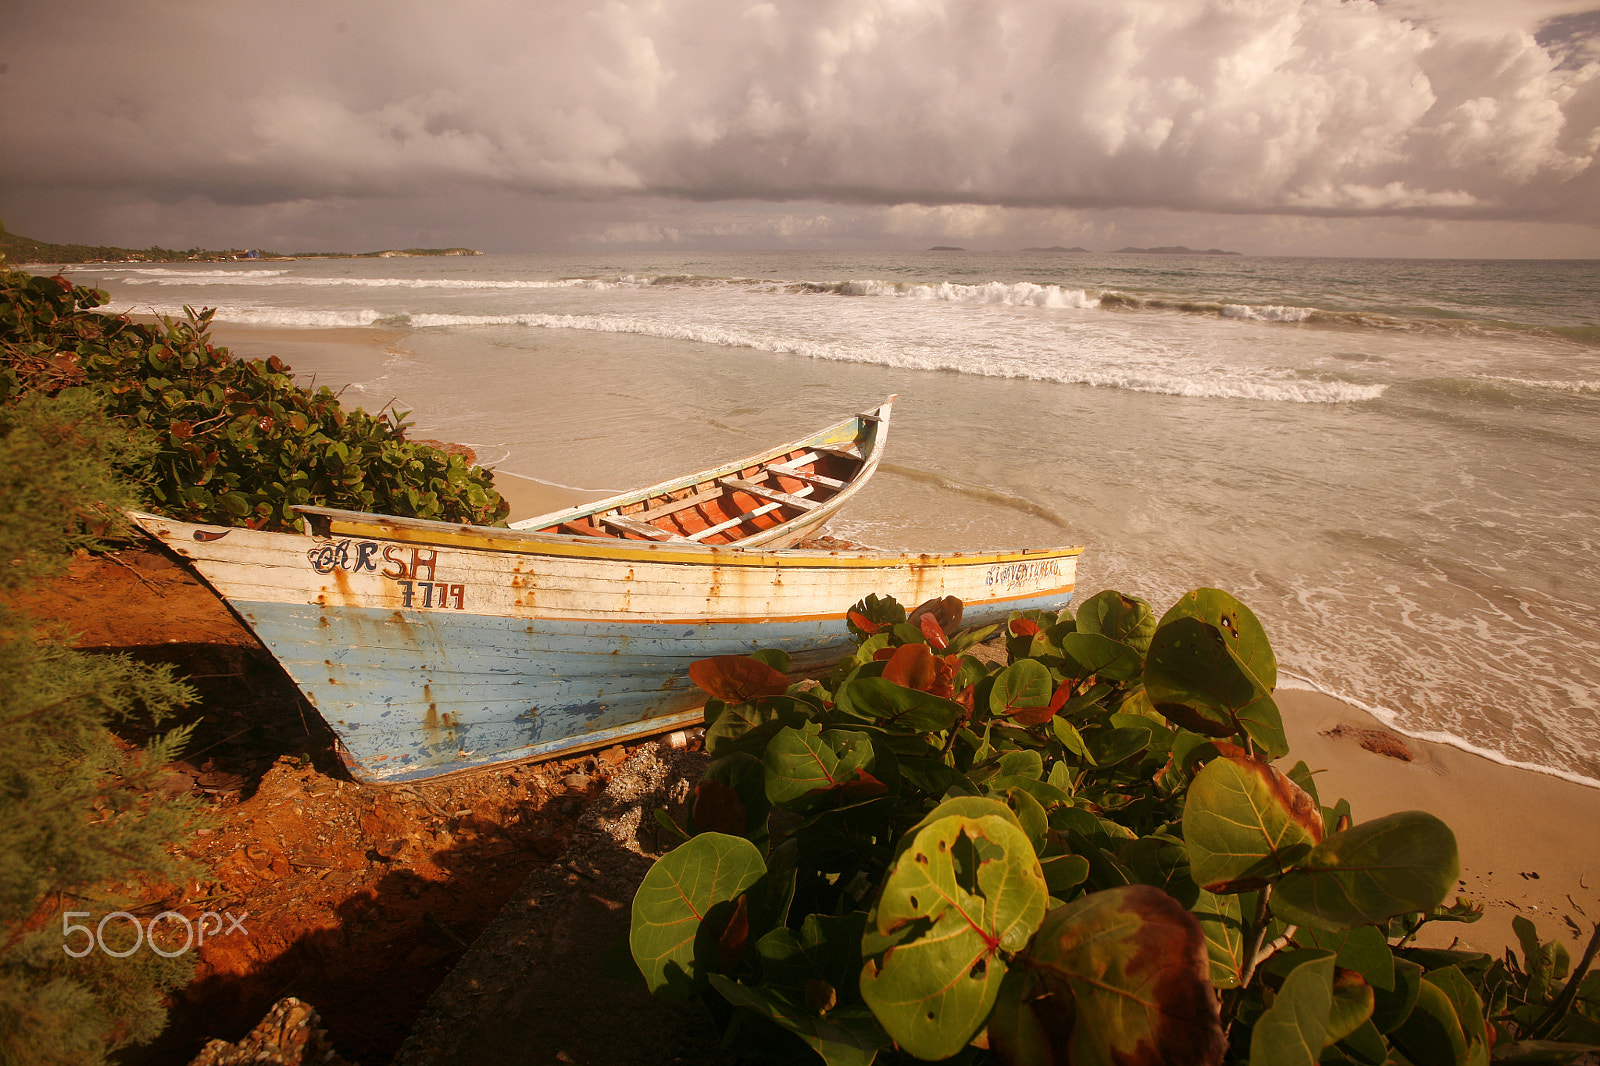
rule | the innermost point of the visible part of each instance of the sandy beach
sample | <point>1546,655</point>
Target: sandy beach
<point>1530,842</point>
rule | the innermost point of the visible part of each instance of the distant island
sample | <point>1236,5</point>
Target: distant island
<point>946,248</point>
<point>18,249</point>
<point>1056,248</point>
<point>1178,249</point>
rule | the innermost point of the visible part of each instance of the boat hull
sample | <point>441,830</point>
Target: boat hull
<point>431,648</point>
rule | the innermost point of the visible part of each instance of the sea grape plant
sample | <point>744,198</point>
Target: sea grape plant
<point>1083,853</point>
<point>231,441</point>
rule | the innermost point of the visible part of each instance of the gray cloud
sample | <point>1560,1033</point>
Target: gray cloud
<point>1301,107</point>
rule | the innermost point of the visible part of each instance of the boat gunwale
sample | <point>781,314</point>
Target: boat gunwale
<point>526,542</point>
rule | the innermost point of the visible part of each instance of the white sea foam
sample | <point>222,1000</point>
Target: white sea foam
<point>283,278</point>
<point>264,316</point>
<point>1588,388</point>
<point>135,273</point>
<point>1017,294</point>
<point>1393,721</point>
<point>1268,312</point>
<point>1235,385</point>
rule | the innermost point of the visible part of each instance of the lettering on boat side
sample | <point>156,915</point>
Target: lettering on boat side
<point>423,594</point>
<point>357,556</point>
<point>415,575</point>
<point>1014,575</point>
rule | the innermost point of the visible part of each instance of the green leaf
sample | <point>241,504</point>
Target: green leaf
<point>1094,653</point>
<point>1396,864</point>
<point>966,888</point>
<point>848,1036</point>
<point>894,707</point>
<point>742,726</point>
<point>1352,1004</point>
<point>1431,1034</point>
<point>1221,919</point>
<point>1062,872</point>
<point>1246,637</point>
<point>1123,618</point>
<point>1022,686</point>
<point>800,761</point>
<point>1294,1030</point>
<point>676,895</point>
<point>1194,677</point>
<point>1245,823</point>
<point>1125,972</point>
<point>1393,1006</point>
<point>1363,949</point>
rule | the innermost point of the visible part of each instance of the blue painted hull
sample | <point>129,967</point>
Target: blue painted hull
<point>411,699</point>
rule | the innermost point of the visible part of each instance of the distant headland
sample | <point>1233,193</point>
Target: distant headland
<point>1178,249</point>
<point>1056,248</point>
<point>19,249</point>
<point>946,248</point>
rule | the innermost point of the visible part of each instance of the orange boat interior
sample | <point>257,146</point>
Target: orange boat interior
<point>728,509</point>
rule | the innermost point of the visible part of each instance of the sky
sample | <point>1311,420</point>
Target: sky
<point>1454,128</point>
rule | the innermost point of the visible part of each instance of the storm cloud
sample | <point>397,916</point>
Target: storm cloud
<point>1282,107</point>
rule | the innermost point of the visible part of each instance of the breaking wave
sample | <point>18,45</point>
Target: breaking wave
<point>1279,387</point>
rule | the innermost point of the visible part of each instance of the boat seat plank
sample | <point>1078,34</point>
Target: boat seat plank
<point>701,534</point>
<point>768,494</point>
<point>849,451</point>
<point>786,470</point>
<point>674,506</point>
<point>634,526</point>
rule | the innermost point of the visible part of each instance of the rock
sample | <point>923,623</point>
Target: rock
<point>288,1036</point>
<point>1377,741</point>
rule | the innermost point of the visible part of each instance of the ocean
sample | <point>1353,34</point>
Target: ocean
<point>1391,461</point>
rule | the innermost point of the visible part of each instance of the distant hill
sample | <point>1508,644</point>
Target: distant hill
<point>19,249</point>
<point>946,248</point>
<point>1056,248</point>
<point>1178,249</point>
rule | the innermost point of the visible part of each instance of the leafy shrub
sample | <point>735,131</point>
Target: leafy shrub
<point>75,817</point>
<point>1085,855</point>
<point>235,442</point>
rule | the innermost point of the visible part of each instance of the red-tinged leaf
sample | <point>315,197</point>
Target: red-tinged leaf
<point>1063,694</point>
<point>718,808</point>
<point>1032,716</point>
<point>863,623</point>
<point>1023,627</point>
<point>863,786</point>
<point>967,698</point>
<point>883,653</point>
<point>735,937</point>
<point>933,631</point>
<point>737,678</point>
<point>1246,823</point>
<point>912,666</point>
<point>1127,970</point>
<point>946,609</point>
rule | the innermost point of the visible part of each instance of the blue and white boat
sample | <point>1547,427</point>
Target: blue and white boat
<point>432,647</point>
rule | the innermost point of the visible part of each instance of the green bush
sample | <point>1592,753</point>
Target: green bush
<point>232,442</point>
<point>1084,855</point>
<point>75,817</point>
